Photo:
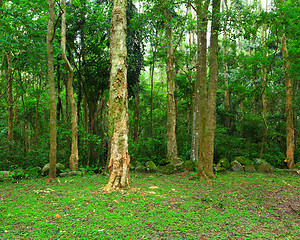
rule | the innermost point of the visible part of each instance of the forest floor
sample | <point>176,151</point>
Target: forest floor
<point>233,206</point>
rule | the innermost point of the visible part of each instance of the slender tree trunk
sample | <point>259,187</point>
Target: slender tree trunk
<point>118,100</point>
<point>212,91</point>
<point>201,92</point>
<point>9,98</point>
<point>151,83</point>
<point>73,161</point>
<point>171,114</point>
<point>36,120</point>
<point>263,92</point>
<point>136,117</point>
<point>53,143</point>
<point>226,94</point>
<point>290,132</point>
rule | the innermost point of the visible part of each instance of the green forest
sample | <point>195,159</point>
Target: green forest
<point>204,81</point>
<point>154,119</point>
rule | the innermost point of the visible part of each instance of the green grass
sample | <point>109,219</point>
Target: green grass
<point>234,206</point>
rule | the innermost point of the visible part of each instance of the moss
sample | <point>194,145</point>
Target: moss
<point>224,163</point>
<point>250,168</point>
<point>236,166</point>
<point>244,161</point>
<point>150,166</point>
<point>297,165</point>
<point>189,166</point>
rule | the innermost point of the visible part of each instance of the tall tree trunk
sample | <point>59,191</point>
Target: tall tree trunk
<point>136,116</point>
<point>201,86</point>
<point>73,161</point>
<point>290,132</point>
<point>263,88</point>
<point>118,100</point>
<point>9,98</point>
<point>171,114</point>
<point>53,143</point>
<point>212,91</point>
<point>226,94</point>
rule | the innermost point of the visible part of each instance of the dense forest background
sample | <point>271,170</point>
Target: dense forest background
<point>251,95</point>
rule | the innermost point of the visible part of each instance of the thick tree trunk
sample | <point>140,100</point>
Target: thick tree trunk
<point>118,100</point>
<point>171,114</point>
<point>290,132</point>
<point>9,98</point>
<point>53,143</point>
<point>73,161</point>
<point>212,91</point>
<point>201,86</point>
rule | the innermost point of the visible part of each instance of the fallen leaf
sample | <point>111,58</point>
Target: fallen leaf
<point>153,187</point>
<point>57,215</point>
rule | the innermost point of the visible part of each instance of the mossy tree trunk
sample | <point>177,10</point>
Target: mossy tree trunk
<point>171,114</point>
<point>119,160</point>
<point>212,90</point>
<point>263,88</point>
<point>9,98</point>
<point>73,161</point>
<point>290,132</point>
<point>53,143</point>
<point>201,86</point>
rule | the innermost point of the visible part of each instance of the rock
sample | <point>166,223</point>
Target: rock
<point>297,166</point>
<point>189,166</point>
<point>244,161</point>
<point>250,169</point>
<point>236,166</point>
<point>34,172</point>
<point>5,174</point>
<point>150,166</point>
<point>177,162</point>
<point>219,169</point>
<point>258,161</point>
<point>224,163</point>
<point>19,173</point>
<point>262,165</point>
<point>59,167</point>
<point>163,162</point>
<point>265,167</point>
<point>139,167</point>
<point>171,168</point>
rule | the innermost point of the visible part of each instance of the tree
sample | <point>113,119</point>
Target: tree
<point>212,89</point>
<point>53,143</point>
<point>74,122</point>
<point>171,119</point>
<point>119,159</point>
<point>290,132</point>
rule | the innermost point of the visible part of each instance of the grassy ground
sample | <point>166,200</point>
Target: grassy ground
<point>234,206</point>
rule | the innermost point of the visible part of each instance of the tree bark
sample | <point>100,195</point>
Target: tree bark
<point>118,100</point>
<point>73,161</point>
<point>212,91</point>
<point>263,92</point>
<point>136,116</point>
<point>290,132</point>
<point>171,114</point>
<point>53,142</point>
<point>201,86</point>
<point>9,98</point>
<point>226,94</point>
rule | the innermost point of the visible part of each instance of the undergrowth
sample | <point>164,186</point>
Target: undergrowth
<point>233,206</point>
